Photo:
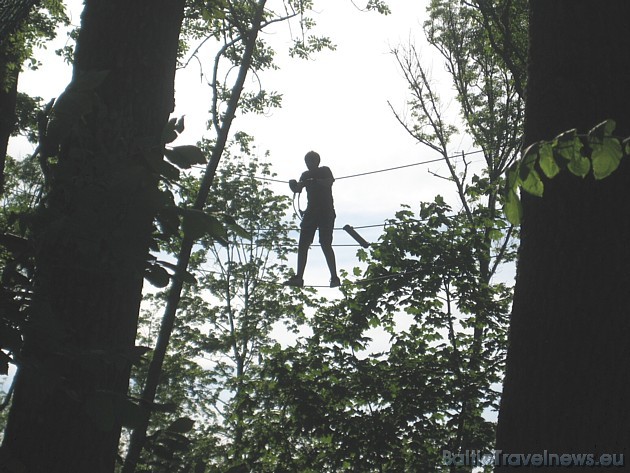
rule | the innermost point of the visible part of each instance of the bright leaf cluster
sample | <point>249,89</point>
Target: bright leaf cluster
<point>599,152</point>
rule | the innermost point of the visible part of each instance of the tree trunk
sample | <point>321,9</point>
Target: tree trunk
<point>139,434</point>
<point>9,74</point>
<point>566,387</point>
<point>8,97</point>
<point>92,238</point>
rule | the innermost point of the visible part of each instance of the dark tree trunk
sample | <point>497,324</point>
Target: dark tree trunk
<point>8,96</point>
<point>566,388</point>
<point>139,434</point>
<point>92,239</point>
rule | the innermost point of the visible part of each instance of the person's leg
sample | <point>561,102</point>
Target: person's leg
<point>307,233</point>
<point>306,238</point>
<point>325,239</point>
<point>332,265</point>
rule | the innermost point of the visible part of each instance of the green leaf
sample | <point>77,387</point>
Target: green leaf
<point>175,442</point>
<point>565,136</point>
<point>602,130</point>
<point>512,208</point>
<point>235,227</point>
<point>606,157</point>
<point>547,162</point>
<point>495,234</point>
<point>568,145</point>
<point>168,171</point>
<point>579,165</point>
<point>168,219</point>
<point>169,133</point>
<point>533,184</point>
<point>197,224</point>
<point>531,154</point>
<point>240,231</point>
<point>107,409</point>
<point>179,125</point>
<point>157,275</point>
<point>185,156</point>
<point>241,468</point>
<point>135,354</point>
<point>181,425</point>
<point>128,413</point>
<point>512,178</point>
<point>188,277</point>
<point>167,407</point>
<point>626,146</point>
<point>214,10</point>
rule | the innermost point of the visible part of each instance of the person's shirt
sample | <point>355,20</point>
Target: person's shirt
<point>319,190</point>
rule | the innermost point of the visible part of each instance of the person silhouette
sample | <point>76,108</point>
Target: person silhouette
<point>319,214</point>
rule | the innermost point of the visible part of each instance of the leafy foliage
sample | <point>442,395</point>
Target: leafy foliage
<point>226,319</point>
<point>22,191</point>
<point>505,23</point>
<point>232,399</point>
<point>330,403</point>
<point>597,153</point>
<point>222,27</point>
<point>23,198</point>
<point>20,46</point>
<point>460,318</point>
<point>240,43</point>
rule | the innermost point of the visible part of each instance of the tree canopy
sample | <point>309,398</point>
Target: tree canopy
<point>110,198</point>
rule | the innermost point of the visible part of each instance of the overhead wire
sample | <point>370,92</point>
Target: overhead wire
<point>359,227</point>
<point>388,169</point>
<point>347,282</point>
<point>419,163</point>
<point>394,168</point>
<point>365,280</point>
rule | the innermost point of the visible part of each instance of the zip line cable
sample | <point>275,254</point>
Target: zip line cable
<point>364,173</point>
<point>359,227</point>
<point>366,280</point>
<point>428,161</point>
<point>356,282</point>
<point>388,169</point>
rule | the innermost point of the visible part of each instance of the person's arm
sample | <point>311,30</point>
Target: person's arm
<point>327,178</point>
<point>296,186</point>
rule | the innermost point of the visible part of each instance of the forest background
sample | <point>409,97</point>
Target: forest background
<point>325,400</point>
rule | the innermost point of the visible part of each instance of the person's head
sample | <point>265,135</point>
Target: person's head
<point>312,160</point>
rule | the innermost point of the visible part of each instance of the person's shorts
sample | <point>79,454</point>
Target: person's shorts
<point>312,221</point>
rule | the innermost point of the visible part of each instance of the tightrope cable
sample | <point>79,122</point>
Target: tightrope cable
<point>388,169</point>
<point>428,161</point>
